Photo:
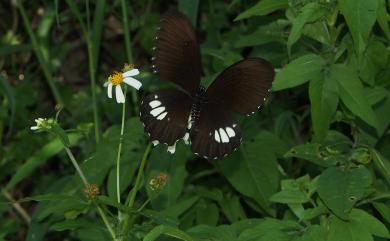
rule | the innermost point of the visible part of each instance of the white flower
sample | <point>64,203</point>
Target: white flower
<point>117,78</point>
<point>39,124</point>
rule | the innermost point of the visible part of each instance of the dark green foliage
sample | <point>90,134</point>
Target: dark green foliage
<point>314,163</point>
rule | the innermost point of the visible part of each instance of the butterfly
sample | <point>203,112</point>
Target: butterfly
<point>202,117</point>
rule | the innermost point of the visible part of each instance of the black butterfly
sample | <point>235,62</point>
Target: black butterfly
<point>203,118</point>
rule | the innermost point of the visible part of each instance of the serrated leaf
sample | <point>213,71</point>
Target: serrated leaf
<point>341,188</point>
<point>263,7</point>
<point>351,92</point>
<point>298,72</point>
<point>360,16</point>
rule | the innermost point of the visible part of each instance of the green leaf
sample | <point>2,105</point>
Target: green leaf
<point>369,222</point>
<point>247,166</point>
<point>340,188</point>
<point>312,153</point>
<point>309,13</point>
<point>351,92</point>
<point>347,231</point>
<point>324,100</point>
<point>299,71</point>
<point>207,214</point>
<point>381,163</point>
<point>190,9</point>
<point>169,231</point>
<point>313,233</point>
<point>72,224</point>
<point>292,191</point>
<point>384,210</point>
<point>382,16</point>
<point>262,8</point>
<point>39,158</point>
<point>360,16</point>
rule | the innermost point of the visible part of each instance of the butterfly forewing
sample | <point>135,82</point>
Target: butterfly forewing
<point>176,55</point>
<point>165,115</point>
<point>215,134</point>
<point>243,86</point>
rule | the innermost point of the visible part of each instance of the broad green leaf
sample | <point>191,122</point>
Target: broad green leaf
<point>351,92</point>
<point>190,9</point>
<point>180,207</point>
<point>207,213</point>
<point>376,94</point>
<point>174,166</point>
<point>269,229</point>
<point>341,188</point>
<point>360,16</point>
<point>169,231</point>
<point>262,8</point>
<point>312,153</point>
<point>39,158</point>
<point>347,231</point>
<point>309,13</point>
<point>232,208</point>
<point>313,233</point>
<point>247,166</point>
<point>373,225</point>
<point>324,100</point>
<point>209,233</point>
<point>299,71</point>
<point>72,225</point>
<point>293,192</point>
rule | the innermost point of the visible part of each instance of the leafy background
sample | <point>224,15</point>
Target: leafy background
<point>314,164</point>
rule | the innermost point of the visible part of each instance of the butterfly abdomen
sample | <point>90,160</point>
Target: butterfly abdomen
<point>197,104</point>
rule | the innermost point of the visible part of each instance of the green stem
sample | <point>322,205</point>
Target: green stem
<point>133,193</point>
<point>118,157</point>
<point>41,59</point>
<point>129,53</point>
<point>86,183</point>
<point>139,175</point>
<point>22,212</point>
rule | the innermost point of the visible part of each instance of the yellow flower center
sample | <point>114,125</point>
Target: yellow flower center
<point>116,78</point>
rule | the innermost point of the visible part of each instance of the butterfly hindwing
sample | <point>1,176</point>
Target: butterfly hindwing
<point>215,134</point>
<point>243,86</point>
<point>176,55</point>
<point>164,114</point>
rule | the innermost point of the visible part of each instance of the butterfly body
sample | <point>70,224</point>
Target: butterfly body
<point>202,117</point>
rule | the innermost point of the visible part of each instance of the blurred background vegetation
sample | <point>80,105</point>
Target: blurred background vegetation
<point>314,164</point>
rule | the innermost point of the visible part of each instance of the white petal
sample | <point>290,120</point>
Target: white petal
<point>132,82</point>
<point>109,90</point>
<point>120,98</point>
<point>172,149</point>
<point>129,73</point>
<point>34,128</point>
<point>106,83</point>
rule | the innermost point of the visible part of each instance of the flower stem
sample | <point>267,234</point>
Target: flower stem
<point>129,53</point>
<point>139,175</point>
<point>86,183</point>
<point>23,213</point>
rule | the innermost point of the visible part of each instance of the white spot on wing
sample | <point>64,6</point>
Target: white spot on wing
<point>216,136</point>
<point>234,125</point>
<point>162,116</point>
<point>186,138</point>
<point>172,149</point>
<point>155,142</point>
<point>154,103</point>
<point>157,111</point>
<point>230,132</point>
<point>224,136</point>
<point>189,123</point>
<point>155,96</point>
